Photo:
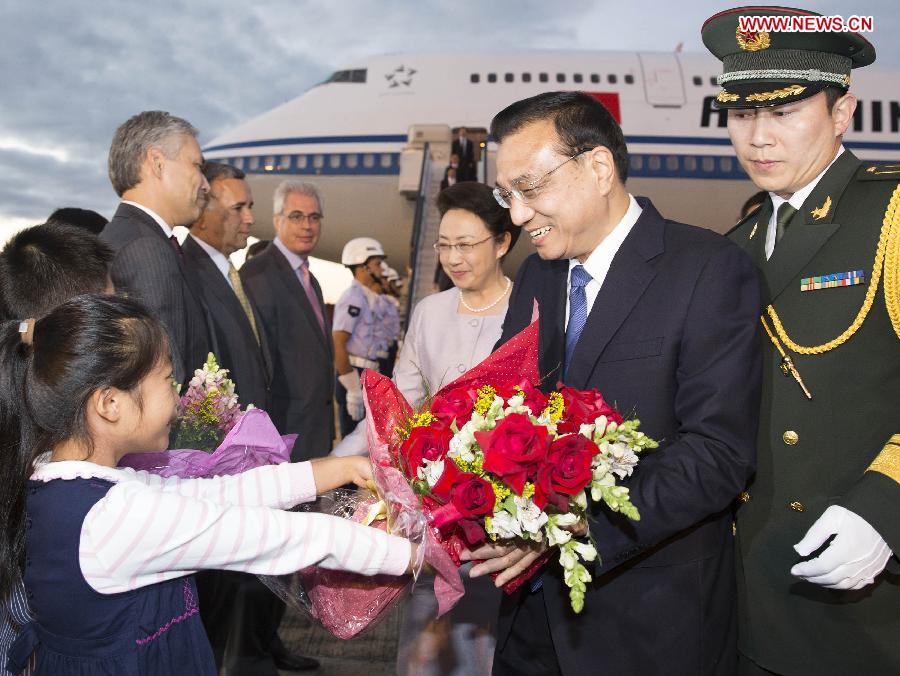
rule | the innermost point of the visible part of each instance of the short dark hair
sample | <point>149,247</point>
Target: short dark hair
<point>219,171</point>
<point>135,137</point>
<point>832,94</point>
<point>477,198</point>
<point>87,343</point>
<point>87,219</point>
<point>581,122</point>
<point>44,265</point>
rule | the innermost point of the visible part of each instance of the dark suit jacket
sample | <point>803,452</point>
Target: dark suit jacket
<point>302,357</point>
<point>841,451</point>
<point>466,169</point>
<point>671,339</point>
<point>146,267</point>
<point>248,362</point>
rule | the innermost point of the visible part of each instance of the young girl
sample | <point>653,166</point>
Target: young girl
<point>108,552</point>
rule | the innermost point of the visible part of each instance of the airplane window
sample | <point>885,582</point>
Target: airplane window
<point>285,162</point>
<point>341,76</point>
<point>526,77</point>
<point>543,77</point>
<point>386,160</point>
<point>629,79</point>
<point>368,160</point>
<point>713,81</point>
<point>654,163</point>
<point>698,80</point>
<point>492,77</point>
<point>637,162</point>
<point>690,163</point>
<point>358,75</point>
<point>577,77</point>
<point>474,78</point>
<point>239,162</point>
<point>508,77</point>
<point>725,164</point>
<point>270,162</point>
<point>334,161</point>
<point>352,160</point>
<point>708,164</point>
<point>611,78</point>
<point>595,78</point>
<point>560,77</point>
<point>672,163</point>
<point>318,161</point>
<point>254,163</point>
<point>302,161</point>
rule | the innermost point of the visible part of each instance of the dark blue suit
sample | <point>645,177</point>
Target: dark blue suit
<point>672,339</point>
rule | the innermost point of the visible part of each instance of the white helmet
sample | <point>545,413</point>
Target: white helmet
<point>360,249</point>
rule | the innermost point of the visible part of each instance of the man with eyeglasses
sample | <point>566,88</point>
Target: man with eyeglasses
<point>661,318</point>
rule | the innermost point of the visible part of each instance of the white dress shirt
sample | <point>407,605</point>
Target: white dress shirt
<point>796,201</point>
<point>601,258</point>
<point>220,259</point>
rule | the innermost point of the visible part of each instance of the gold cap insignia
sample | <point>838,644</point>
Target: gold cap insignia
<point>752,42</point>
<point>822,211</point>
<point>753,232</point>
<point>726,97</point>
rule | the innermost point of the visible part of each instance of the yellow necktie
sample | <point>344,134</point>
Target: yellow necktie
<point>242,298</point>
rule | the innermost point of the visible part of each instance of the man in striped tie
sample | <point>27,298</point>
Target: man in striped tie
<point>661,317</point>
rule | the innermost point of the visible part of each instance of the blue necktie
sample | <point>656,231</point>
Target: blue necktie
<point>577,310</point>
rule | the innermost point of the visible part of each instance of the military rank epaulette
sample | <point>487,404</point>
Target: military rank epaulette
<point>879,172</point>
<point>741,223</point>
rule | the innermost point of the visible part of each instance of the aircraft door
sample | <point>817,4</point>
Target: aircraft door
<point>663,82</point>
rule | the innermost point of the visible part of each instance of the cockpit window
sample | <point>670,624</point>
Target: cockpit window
<point>356,75</point>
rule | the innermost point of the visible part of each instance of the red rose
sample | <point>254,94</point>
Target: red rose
<point>534,398</point>
<point>454,405</point>
<point>513,449</point>
<point>565,472</point>
<point>583,407</point>
<point>472,496</point>
<point>424,443</point>
<point>442,488</point>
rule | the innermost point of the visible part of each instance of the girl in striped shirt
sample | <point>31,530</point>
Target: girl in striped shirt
<point>108,553</point>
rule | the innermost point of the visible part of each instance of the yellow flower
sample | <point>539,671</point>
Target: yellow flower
<point>555,406</point>
<point>529,490</point>
<point>424,419</point>
<point>485,398</point>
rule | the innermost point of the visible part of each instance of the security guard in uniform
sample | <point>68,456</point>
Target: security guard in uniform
<point>358,316</point>
<point>389,308</point>
<point>820,522</point>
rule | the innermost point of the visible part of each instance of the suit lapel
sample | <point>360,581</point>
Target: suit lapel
<point>552,308</point>
<point>628,277</point>
<point>295,289</point>
<point>810,228</point>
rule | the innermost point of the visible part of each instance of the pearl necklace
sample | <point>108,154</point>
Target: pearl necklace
<point>486,307</point>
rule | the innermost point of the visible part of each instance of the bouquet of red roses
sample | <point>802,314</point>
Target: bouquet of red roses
<point>494,458</point>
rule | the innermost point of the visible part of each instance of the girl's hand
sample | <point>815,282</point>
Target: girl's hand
<point>334,472</point>
<point>360,471</point>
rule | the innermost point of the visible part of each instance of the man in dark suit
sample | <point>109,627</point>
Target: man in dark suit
<point>154,166</point>
<point>820,522</point>
<point>240,614</point>
<point>293,319</point>
<point>661,318</point>
<point>462,147</point>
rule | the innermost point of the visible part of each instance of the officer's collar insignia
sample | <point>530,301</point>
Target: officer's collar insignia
<point>752,42</point>
<point>822,211</point>
<point>832,281</point>
<point>884,169</point>
<point>753,232</point>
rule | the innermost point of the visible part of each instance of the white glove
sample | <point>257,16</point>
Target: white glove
<point>852,560</point>
<point>355,406</point>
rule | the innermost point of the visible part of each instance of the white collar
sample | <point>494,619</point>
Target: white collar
<point>44,470</point>
<point>166,228</point>
<point>600,260</point>
<point>220,259</point>
<point>799,197</point>
<point>295,260</point>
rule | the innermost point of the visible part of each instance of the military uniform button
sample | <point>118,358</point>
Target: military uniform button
<point>790,437</point>
<point>744,497</point>
<point>797,506</point>
<point>461,368</point>
<point>473,322</point>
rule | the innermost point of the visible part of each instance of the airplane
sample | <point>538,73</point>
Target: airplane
<point>359,135</point>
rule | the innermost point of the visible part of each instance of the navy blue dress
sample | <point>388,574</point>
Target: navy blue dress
<point>77,630</point>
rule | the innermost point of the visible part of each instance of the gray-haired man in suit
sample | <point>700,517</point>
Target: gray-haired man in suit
<point>154,166</point>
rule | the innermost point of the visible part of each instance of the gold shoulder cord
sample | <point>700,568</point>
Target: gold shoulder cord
<point>887,255</point>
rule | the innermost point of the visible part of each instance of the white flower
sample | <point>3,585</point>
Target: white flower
<point>431,471</point>
<point>529,515</point>
<point>580,500</point>
<point>461,448</point>
<point>587,431</point>
<point>622,460</point>
<point>585,550</point>
<point>600,427</point>
<point>557,536</point>
<point>567,558</point>
<point>515,401</point>
<point>505,526</point>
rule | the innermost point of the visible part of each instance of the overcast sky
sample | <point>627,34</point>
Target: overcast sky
<point>73,71</point>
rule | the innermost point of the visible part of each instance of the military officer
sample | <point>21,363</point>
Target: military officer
<point>357,330</point>
<point>821,520</point>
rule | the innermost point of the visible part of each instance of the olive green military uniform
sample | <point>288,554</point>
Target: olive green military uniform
<point>840,447</point>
